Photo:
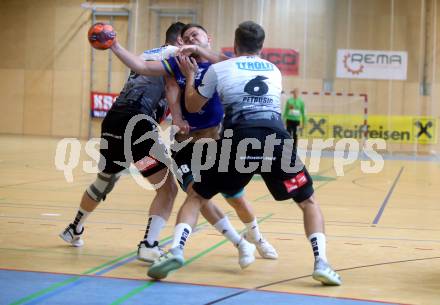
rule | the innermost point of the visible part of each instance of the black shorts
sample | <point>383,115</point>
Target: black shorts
<point>114,158</point>
<point>283,178</point>
<point>183,161</point>
<point>185,177</point>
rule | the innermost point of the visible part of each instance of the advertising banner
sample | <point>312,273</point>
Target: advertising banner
<point>396,129</point>
<point>364,64</point>
<point>101,103</point>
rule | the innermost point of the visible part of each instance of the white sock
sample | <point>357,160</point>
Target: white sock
<point>226,228</point>
<point>182,231</point>
<point>318,242</point>
<point>80,218</point>
<point>252,230</point>
<point>154,226</point>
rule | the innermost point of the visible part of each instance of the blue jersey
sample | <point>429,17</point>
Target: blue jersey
<point>212,112</point>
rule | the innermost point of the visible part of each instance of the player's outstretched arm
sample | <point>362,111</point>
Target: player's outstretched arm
<point>206,53</point>
<point>193,100</point>
<point>149,68</point>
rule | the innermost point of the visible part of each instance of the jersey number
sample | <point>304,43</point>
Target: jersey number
<point>256,86</point>
<point>183,169</point>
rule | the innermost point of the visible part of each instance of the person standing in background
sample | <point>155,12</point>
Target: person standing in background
<point>295,115</point>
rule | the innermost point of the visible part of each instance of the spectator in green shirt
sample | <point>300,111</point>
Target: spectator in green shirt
<point>294,114</point>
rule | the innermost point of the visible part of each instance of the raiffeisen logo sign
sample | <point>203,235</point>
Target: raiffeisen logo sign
<point>371,64</point>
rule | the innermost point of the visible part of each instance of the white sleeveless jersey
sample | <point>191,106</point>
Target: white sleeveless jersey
<point>249,88</point>
<point>160,53</point>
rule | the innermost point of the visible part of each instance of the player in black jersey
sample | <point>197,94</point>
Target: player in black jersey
<point>141,96</point>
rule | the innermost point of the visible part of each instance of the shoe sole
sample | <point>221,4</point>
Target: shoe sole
<point>77,243</point>
<point>253,260</point>
<point>161,270</point>
<point>262,254</point>
<point>265,256</point>
<point>247,265</point>
<point>145,260</point>
<point>324,279</point>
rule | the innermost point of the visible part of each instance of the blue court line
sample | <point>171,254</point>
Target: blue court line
<point>119,264</point>
<point>385,202</point>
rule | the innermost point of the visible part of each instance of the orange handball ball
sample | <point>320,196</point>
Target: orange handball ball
<point>101,36</point>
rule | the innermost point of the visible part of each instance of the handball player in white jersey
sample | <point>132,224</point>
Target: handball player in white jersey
<point>250,89</point>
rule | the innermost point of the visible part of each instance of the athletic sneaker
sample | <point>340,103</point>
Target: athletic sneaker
<point>167,262</point>
<point>264,248</point>
<point>325,274</point>
<point>245,253</point>
<point>70,236</point>
<point>148,253</point>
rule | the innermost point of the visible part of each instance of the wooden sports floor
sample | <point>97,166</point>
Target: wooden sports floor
<point>383,237</point>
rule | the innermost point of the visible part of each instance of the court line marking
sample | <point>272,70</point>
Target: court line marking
<point>55,286</point>
<point>387,197</point>
<point>359,237</point>
<point>336,177</point>
<point>317,174</point>
<point>37,206</point>
<point>139,289</point>
<point>429,197</point>
<point>35,181</point>
<point>199,284</point>
<point>130,259</point>
<point>309,275</point>
<point>55,252</point>
<point>40,219</point>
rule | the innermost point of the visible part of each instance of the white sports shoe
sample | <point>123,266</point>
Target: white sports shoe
<point>264,248</point>
<point>70,236</point>
<point>245,253</point>
<point>325,274</point>
<point>148,253</point>
<point>166,263</point>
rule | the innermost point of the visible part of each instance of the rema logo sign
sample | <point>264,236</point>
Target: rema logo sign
<point>398,129</point>
<point>371,64</point>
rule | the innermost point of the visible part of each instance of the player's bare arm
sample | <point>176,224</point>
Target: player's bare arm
<point>206,53</point>
<point>149,68</point>
<point>172,92</point>
<point>193,100</point>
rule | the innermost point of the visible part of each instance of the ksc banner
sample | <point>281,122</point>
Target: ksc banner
<point>287,60</point>
<point>397,129</point>
<point>371,64</point>
<point>101,103</point>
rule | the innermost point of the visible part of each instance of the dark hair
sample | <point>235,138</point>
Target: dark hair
<point>173,32</point>
<point>249,37</point>
<point>192,25</point>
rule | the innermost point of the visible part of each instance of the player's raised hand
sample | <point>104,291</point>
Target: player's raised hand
<point>187,65</point>
<point>187,50</point>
